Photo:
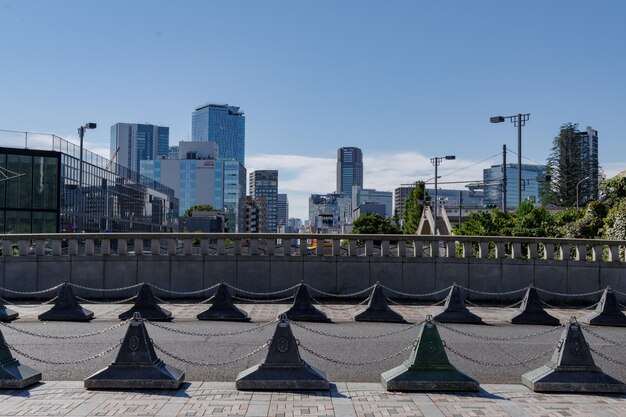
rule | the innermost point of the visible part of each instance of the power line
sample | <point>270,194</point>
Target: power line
<point>471,165</point>
<point>528,159</point>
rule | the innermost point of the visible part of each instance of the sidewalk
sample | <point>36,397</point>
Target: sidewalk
<point>68,398</point>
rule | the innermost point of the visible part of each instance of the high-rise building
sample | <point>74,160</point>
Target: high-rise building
<point>256,215</point>
<point>493,180</point>
<point>400,195</point>
<point>588,189</point>
<point>362,195</point>
<point>264,185</point>
<point>135,142</point>
<point>349,169</point>
<point>222,124</point>
<point>282,210</point>
<point>329,212</point>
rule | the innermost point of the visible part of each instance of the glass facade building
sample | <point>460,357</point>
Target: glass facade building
<point>349,169</point>
<point>134,142</point>
<point>588,190</point>
<point>42,192</point>
<point>223,124</point>
<point>230,178</point>
<point>264,185</point>
<point>493,178</point>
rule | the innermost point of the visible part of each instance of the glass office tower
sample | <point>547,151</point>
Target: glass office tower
<point>349,169</point>
<point>223,124</point>
<point>134,142</point>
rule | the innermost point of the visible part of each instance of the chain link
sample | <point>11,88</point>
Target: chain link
<point>261,300</point>
<point>190,362</point>
<point>182,292</point>
<point>354,294</point>
<point>232,287</point>
<point>340,308</point>
<point>613,342</point>
<point>27,306</point>
<point>339,336</point>
<point>562,294</point>
<point>408,294</point>
<point>75,336</point>
<point>602,355</point>
<point>492,293</point>
<point>386,358</point>
<point>85,300</point>
<point>82,287</point>
<point>521,362</point>
<point>501,339</point>
<point>31,292</point>
<point>189,333</point>
<point>548,305</point>
<point>76,362</point>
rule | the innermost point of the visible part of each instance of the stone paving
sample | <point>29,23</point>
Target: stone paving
<point>66,398</point>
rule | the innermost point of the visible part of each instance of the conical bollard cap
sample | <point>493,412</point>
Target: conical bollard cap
<point>66,307</point>
<point>571,368</point>
<point>303,309</point>
<point>223,307</point>
<point>531,311</point>
<point>607,312</point>
<point>455,310</point>
<point>137,365</point>
<point>14,375</point>
<point>283,368</point>
<point>428,367</point>
<point>378,310</point>
<point>6,314</point>
<point>147,306</point>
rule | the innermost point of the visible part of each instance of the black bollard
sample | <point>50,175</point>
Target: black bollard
<point>607,312</point>
<point>303,309</point>
<point>66,307</point>
<point>378,310</point>
<point>223,307</point>
<point>531,311</point>
<point>14,375</point>
<point>147,306</point>
<point>455,310</point>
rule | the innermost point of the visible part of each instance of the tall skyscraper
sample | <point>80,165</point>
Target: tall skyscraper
<point>282,210</point>
<point>349,169</point>
<point>222,124</point>
<point>264,185</point>
<point>589,159</point>
<point>135,142</point>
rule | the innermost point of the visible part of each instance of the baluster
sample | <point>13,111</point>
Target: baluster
<point>155,246</point>
<point>352,247</point>
<point>138,245</point>
<point>171,246</point>
<point>532,250</point>
<point>23,245</point>
<point>72,247</point>
<point>89,247</point>
<point>500,252</point>
<point>40,247</point>
<point>581,252</point>
<point>122,247</point>
<point>336,247</point>
<point>105,246</point>
<point>468,251</point>
<point>516,250</point>
<point>401,248</point>
<point>384,248</point>
<point>613,253</point>
<point>187,246</point>
<point>254,246</point>
<point>483,250</point>
<point>221,246</point>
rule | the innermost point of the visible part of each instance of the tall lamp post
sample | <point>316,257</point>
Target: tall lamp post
<point>436,161</point>
<point>81,134</point>
<point>518,121</point>
<point>578,186</point>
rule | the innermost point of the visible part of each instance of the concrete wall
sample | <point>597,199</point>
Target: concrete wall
<point>334,274</point>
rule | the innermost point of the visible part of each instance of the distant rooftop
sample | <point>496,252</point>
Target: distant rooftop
<point>232,109</point>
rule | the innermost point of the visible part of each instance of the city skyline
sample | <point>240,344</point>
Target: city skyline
<point>403,81</point>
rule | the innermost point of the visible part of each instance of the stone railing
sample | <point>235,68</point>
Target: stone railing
<point>269,244</point>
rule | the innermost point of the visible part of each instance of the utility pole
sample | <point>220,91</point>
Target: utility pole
<point>504,178</point>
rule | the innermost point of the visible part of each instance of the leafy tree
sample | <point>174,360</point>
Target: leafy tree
<point>615,222</point>
<point>589,225</point>
<point>413,207</point>
<point>533,221</point>
<point>494,223</point>
<point>198,207</point>
<point>565,167</point>
<point>373,223</point>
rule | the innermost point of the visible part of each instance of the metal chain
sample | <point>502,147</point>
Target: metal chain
<point>354,294</point>
<point>76,362</point>
<point>85,300</point>
<point>188,333</point>
<point>470,303</point>
<point>521,362</point>
<point>618,291</point>
<point>613,342</point>
<point>386,358</point>
<point>183,292</point>
<point>569,295</point>
<point>31,292</point>
<point>232,287</point>
<point>602,355</point>
<point>339,336</point>
<point>254,300</point>
<point>25,306</point>
<point>340,308</point>
<point>130,287</point>
<point>190,362</point>
<point>492,293</point>
<point>502,339</point>
<point>75,336</point>
<point>592,306</point>
<point>548,305</point>
<point>407,294</point>
<point>389,300</point>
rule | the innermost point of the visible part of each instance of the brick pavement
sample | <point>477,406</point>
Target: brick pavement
<point>219,399</point>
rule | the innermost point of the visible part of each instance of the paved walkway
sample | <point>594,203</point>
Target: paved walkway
<point>67,398</point>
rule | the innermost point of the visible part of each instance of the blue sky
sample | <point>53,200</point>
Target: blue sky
<point>402,80</point>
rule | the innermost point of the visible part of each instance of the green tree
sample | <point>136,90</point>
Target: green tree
<point>413,207</point>
<point>564,167</point>
<point>373,223</point>
<point>198,207</point>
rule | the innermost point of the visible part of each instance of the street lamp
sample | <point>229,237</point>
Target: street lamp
<point>436,161</point>
<point>81,134</point>
<point>578,185</point>
<point>518,121</point>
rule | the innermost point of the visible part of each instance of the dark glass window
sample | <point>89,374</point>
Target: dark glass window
<point>20,188</point>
